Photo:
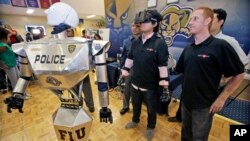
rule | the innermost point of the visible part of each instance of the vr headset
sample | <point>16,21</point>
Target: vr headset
<point>144,17</point>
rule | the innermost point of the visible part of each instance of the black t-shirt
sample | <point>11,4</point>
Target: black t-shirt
<point>147,58</point>
<point>203,66</point>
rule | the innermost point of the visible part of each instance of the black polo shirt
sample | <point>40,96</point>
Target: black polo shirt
<point>147,58</point>
<point>203,66</point>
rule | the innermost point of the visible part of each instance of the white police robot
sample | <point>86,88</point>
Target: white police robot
<point>60,64</point>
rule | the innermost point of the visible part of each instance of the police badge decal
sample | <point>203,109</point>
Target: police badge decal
<point>71,48</point>
<point>53,81</point>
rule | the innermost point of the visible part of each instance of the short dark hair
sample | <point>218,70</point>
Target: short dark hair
<point>221,15</point>
<point>98,36</point>
<point>3,33</point>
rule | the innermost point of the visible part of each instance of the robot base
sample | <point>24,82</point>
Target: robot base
<point>71,124</point>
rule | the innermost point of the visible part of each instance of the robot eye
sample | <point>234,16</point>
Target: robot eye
<point>124,16</point>
<point>109,19</point>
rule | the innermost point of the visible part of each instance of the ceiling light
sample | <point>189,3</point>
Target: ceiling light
<point>30,11</point>
<point>91,16</point>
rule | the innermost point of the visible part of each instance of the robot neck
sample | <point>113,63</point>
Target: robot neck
<point>61,35</point>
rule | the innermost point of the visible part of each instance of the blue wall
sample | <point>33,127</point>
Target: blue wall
<point>119,16</point>
<point>237,23</point>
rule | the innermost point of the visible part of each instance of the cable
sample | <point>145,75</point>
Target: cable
<point>231,100</point>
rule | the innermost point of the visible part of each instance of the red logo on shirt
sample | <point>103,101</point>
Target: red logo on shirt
<point>204,56</point>
<point>150,49</point>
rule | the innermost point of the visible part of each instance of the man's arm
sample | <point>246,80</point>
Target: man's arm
<point>180,64</point>
<point>162,53</point>
<point>3,66</point>
<point>232,85</point>
<point>235,44</point>
<point>11,31</point>
<point>128,63</point>
<point>124,54</point>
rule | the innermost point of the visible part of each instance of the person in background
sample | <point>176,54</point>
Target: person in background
<point>28,37</point>
<point>97,37</point>
<point>1,23</point>
<point>42,33</point>
<point>135,29</point>
<point>4,83</point>
<point>84,33</point>
<point>203,63</point>
<point>12,34</point>
<point>8,60</point>
<point>220,16</point>
<point>70,33</point>
<point>37,33</point>
<point>88,94</point>
<point>87,91</point>
<point>177,117</point>
<point>148,59</point>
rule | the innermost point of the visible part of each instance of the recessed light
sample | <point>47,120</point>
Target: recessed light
<point>30,11</point>
<point>91,16</point>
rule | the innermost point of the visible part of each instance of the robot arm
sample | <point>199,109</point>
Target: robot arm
<point>99,49</point>
<point>17,99</point>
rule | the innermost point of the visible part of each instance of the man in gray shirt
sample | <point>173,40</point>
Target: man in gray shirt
<point>220,16</point>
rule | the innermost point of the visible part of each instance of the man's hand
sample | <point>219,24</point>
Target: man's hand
<point>164,83</point>
<point>3,66</point>
<point>124,73</point>
<point>231,86</point>
<point>217,105</point>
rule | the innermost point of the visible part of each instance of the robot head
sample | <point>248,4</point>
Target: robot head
<point>61,13</point>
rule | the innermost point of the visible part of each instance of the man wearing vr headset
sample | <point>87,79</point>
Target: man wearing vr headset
<point>148,56</point>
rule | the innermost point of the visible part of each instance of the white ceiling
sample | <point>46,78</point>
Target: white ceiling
<point>83,8</point>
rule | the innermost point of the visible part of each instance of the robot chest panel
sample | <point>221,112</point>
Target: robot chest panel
<point>50,59</point>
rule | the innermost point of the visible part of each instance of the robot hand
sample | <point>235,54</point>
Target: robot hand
<point>14,102</point>
<point>106,115</point>
<point>166,95</point>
